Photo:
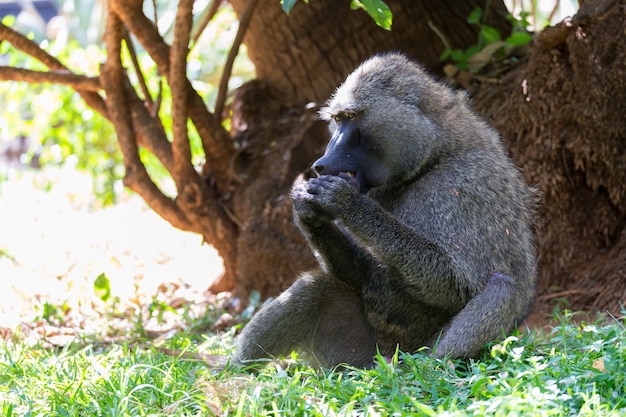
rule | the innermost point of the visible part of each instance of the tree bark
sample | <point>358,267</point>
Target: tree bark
<point>307,53</point>
<point>562,112</point>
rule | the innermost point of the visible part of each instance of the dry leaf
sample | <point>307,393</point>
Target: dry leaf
<point>599,365</point>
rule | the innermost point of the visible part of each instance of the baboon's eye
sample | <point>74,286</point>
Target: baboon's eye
<point>339,117</point>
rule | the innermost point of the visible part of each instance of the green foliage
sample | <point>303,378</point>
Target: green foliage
<point>78,135</point>
<point>563,373</point>
<point>254,303</point>
<point>61,127</point>
<point>53,313</point>
<point>121,381</point>
<point>157,308</point>
<point>102,287</point>
<point>377,9</point>
<point>489,44</point>
<point>63,130</point>
<point>576,369</point>
<point>518,38</point>
<point>288,5</point>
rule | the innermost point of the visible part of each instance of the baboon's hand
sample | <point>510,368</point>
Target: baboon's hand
<point>330,194</point>
<point>303,209</point>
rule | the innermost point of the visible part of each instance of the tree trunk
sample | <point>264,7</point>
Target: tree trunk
<point>563,114</point>
<point>307,53</point>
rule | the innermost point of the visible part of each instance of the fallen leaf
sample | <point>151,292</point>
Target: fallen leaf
<point>599,365</point>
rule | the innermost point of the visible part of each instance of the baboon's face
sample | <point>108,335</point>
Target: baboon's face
<point>352,150</point>
<point>380,121</point>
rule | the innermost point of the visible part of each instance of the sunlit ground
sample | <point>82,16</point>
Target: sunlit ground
<point>53,247</point>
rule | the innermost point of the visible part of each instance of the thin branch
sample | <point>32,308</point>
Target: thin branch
<point>145,32</point>
<point>136,177</point>
<point>113,77</point>
<point>140,77</point>
<point>149,130</point>
<point>19,41</point>
<point>218,147</point>
<point>553,12</point>
<point>159,99</point>
<point>29,47</point>
<point>206,19</point>
<point>439,34</point>
<point>567,293</point>
<point>244,22</point>
<point>76,81</point>
<point>183,170</point>
<point>154,9</point>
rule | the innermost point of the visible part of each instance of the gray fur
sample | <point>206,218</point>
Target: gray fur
<point>421,224</point>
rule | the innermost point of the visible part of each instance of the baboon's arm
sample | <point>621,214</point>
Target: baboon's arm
<point>426,267</point>
<point>339,255</point>
<point>337,252</point>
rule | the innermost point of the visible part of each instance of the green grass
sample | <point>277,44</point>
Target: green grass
<point>577,369</point>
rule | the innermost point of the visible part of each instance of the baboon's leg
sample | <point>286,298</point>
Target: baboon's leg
<point>485,318</point>
<point>318,315</point>
<point>343,335</point>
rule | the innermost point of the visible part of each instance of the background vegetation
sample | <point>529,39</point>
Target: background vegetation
<point>66,130</point>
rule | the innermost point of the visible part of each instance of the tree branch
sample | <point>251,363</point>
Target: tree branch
<point>136,177</point>
<point>144,31</point>
<point>218,147</point>
<point>244,21</point>
<point>29,47</point>
<point>140,77</point>
<point>76,81</point>
<point>206,19</point>
<point>149,135</point>
<point>196,207</point>
<point>149,130</point>
<point>183,170</point>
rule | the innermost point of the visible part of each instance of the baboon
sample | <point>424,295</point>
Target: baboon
<point>420,222</point>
